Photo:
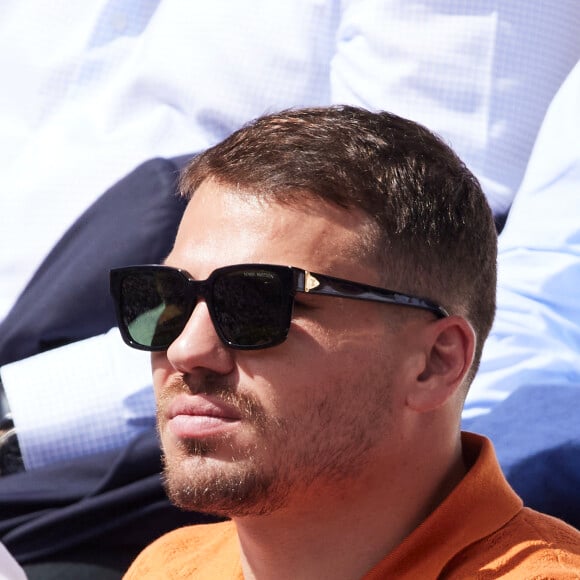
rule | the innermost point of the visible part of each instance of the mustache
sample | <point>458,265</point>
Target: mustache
<point>208,384</point>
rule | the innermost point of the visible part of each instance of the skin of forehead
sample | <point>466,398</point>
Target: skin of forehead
<point>213,206</point>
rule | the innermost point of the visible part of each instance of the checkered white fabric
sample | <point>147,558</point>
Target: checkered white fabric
<point>535,339</point>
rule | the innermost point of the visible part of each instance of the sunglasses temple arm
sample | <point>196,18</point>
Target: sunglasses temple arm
<point>329,286</point>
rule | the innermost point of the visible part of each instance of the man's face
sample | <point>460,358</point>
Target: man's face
<point>248,432</point>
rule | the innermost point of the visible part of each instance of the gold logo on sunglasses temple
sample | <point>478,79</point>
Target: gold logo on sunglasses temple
<point>310,282</point>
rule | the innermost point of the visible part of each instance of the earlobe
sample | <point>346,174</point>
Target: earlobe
<point>449,350</point>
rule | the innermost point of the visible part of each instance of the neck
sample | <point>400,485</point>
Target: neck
<point>343,533</point>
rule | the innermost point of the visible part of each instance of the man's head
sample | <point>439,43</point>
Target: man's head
<point>433,230</point>
<point>351,393</point>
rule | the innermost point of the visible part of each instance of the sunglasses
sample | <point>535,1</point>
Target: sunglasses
<point>250,305</point>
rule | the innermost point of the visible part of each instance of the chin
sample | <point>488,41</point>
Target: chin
<point>224,489</point>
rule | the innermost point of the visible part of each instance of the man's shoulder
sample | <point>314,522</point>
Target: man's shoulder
<point>548,532</point>
<point>188,550</point>
<point>530,545</point>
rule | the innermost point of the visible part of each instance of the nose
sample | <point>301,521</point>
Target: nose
<point>199,347</point>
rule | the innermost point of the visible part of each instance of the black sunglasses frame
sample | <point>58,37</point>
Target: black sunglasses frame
<point>292,280</point>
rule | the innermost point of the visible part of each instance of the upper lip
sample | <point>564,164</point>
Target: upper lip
<point>201,405</point>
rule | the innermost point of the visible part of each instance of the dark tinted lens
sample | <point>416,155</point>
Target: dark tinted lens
<point>252,307</point>
<point>154,307</point>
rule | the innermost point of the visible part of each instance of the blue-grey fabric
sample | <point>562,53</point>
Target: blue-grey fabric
<point>68,298</point>
<point>536,434</point>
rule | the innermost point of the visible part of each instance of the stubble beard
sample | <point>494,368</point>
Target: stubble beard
<point>236,489</point>
<point>242,486</point>
<point>248,484</point>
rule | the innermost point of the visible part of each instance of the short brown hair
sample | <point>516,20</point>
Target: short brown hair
<point>437,234</point>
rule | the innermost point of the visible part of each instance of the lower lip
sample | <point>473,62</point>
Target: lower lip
<point>197,426</point>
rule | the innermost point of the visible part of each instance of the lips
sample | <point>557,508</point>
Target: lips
<point>200,416</point>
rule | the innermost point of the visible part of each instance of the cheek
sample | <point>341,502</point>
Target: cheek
<point>362,367</point>
<point>341,371</point>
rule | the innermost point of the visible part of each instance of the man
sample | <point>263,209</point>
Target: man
<point>431,64</point>
<point>300,397</point>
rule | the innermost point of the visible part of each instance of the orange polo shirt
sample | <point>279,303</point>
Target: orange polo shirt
<point>481,530</point>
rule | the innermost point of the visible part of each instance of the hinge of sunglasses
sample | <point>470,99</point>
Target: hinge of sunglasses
<point>310,281</point>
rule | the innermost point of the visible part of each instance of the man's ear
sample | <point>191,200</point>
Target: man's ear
<point>448,354</point>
